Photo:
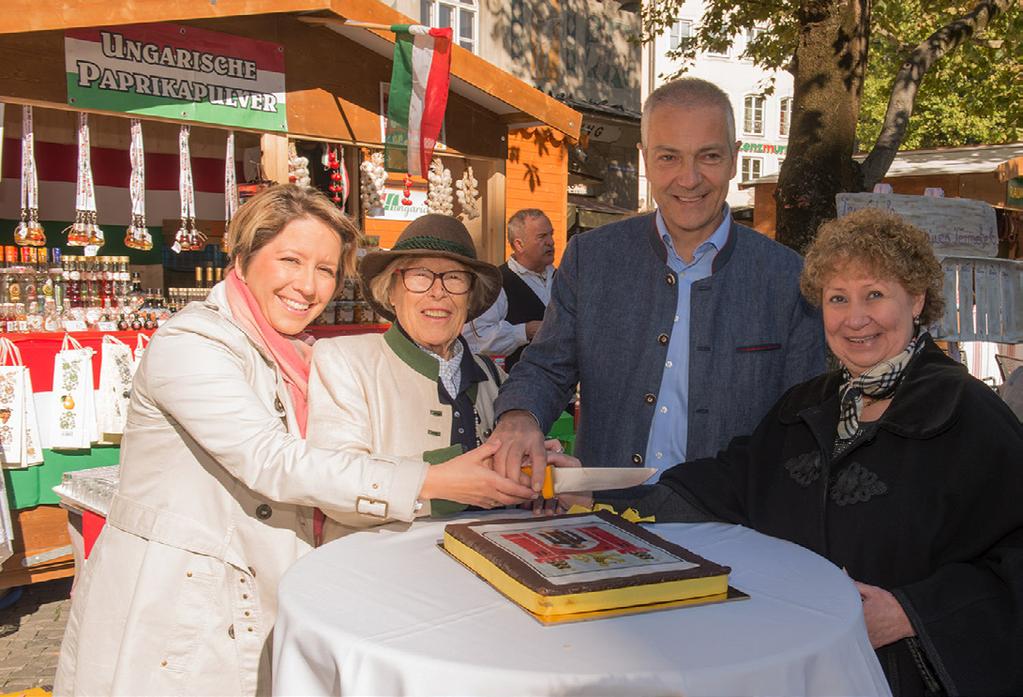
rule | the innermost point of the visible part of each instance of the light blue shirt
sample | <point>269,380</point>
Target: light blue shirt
<point>669,429</point>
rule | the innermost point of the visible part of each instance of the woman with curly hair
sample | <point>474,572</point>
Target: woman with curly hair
<point>899,467</point>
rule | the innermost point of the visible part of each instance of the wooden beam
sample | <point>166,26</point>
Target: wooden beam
<point>274,159</point>
<point>492,183</point>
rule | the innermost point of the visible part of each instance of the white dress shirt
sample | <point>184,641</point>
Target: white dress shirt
<point>490,333</point>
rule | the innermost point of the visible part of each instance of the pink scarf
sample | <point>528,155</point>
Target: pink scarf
<point>292,355</point>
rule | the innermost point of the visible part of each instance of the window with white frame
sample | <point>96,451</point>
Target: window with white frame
<point>680,35</point>
<point>784,116</point>
<point>753,115</point>
<point>751,168</point>
<point>460,15</point>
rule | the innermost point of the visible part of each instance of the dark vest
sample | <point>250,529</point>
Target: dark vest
<point>523,306</point>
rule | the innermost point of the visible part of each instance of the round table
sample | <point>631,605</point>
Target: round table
<point>386,612</point>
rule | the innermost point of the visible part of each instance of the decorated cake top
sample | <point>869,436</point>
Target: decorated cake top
<point>579,553</point>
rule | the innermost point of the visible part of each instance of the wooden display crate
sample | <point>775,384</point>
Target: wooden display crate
<point>39,533</point>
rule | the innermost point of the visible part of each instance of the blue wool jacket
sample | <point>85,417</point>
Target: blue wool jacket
<point>752,336</point>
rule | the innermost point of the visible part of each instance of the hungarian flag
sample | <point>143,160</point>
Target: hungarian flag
<point>417,97</point>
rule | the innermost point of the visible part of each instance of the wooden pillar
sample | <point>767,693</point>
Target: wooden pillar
<point>274,157</point>
<point>494,213</point>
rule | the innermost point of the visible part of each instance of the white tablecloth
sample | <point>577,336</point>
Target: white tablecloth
<point>388,613</point>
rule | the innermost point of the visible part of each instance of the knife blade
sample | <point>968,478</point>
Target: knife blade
<point>560,480</point>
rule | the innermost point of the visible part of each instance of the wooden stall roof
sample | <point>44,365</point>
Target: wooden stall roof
<point>511,99</point>
<point>973,159</point>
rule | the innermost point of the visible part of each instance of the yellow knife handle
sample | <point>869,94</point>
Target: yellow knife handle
<point>548,480</point>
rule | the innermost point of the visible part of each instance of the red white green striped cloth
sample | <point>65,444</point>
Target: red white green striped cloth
<point>418,96</point>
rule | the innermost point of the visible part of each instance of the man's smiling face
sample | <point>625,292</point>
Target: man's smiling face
<point>689,162</point>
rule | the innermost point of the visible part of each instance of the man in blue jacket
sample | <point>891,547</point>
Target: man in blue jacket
<point>680,327</point>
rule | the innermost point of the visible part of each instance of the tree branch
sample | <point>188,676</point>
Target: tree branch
<point>907,82</point>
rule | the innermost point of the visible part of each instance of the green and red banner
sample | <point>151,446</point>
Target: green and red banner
<point>177,72</point>
<point>418,96</point>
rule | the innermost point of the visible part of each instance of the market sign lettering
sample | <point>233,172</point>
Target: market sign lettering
<point>177,72</point>
<point>394,209</point>
<point>767,148</point>
<point>957,226</point>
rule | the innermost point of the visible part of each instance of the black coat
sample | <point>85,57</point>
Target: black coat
<point>927,502</point>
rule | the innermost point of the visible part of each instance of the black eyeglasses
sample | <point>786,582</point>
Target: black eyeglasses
<point>419,280</point>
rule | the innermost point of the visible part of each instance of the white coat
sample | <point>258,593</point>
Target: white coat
<point>377,393</point>
<point>215,502</point>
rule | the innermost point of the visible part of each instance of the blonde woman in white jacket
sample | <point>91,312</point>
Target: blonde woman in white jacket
<point>219,491</point>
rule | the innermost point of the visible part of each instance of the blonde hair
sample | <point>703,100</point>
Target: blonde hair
<point>263,217</point>
<point>380,287</point>
<point>883,244</point>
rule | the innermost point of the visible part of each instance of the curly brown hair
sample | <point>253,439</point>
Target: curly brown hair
<point>882,243</point>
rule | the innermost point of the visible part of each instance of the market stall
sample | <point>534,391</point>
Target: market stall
<point>132,132</point>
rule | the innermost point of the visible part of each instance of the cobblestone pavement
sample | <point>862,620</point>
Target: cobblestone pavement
<point>30,634</point>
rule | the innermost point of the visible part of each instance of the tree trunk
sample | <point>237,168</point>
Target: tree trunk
<point>829,66</point>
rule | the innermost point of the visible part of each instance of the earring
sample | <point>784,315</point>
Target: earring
<point>916,320</point>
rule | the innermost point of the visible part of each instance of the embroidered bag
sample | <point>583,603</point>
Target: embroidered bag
<point>116,368</point>
<point>75,408</point>
<point>19,428</point>
<point>140,348</point>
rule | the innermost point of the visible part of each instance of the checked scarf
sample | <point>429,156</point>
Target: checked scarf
<point>877,383</point>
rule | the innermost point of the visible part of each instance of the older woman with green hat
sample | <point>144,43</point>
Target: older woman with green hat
<point>416,391</point>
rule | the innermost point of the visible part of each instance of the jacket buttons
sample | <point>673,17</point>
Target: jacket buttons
<point>662,339</point>
<point>670,279</point>
<point>278,404</point>
<point>230,631</point>
<point>263,511</point>
<point>637,459</point>
<point>649,398</point>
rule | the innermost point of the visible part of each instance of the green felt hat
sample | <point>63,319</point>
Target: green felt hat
<point>433,235</point>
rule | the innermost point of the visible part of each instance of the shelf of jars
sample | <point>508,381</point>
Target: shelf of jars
<point>47,293</point>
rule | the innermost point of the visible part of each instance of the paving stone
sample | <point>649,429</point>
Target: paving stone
<point>31,632</point>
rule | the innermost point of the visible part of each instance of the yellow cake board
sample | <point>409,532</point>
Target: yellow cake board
<point>732,594</point>
<point>547,620</point>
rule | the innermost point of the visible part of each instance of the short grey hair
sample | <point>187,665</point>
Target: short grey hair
<point>380,287</point>
<point>689,92</point>
<point>517,223</point>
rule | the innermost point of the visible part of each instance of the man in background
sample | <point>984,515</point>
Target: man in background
<point>511,322</point>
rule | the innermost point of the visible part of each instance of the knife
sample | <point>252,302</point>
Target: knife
<point>560,480</point>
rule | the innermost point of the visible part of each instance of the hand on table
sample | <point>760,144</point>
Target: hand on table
<point>521,444</point>
<point>469,479</point>
<point>886,620</point>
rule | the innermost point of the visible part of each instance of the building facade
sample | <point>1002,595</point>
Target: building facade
<point>762,114</point>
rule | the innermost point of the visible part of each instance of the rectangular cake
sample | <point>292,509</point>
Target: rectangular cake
<point>587,562</point>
